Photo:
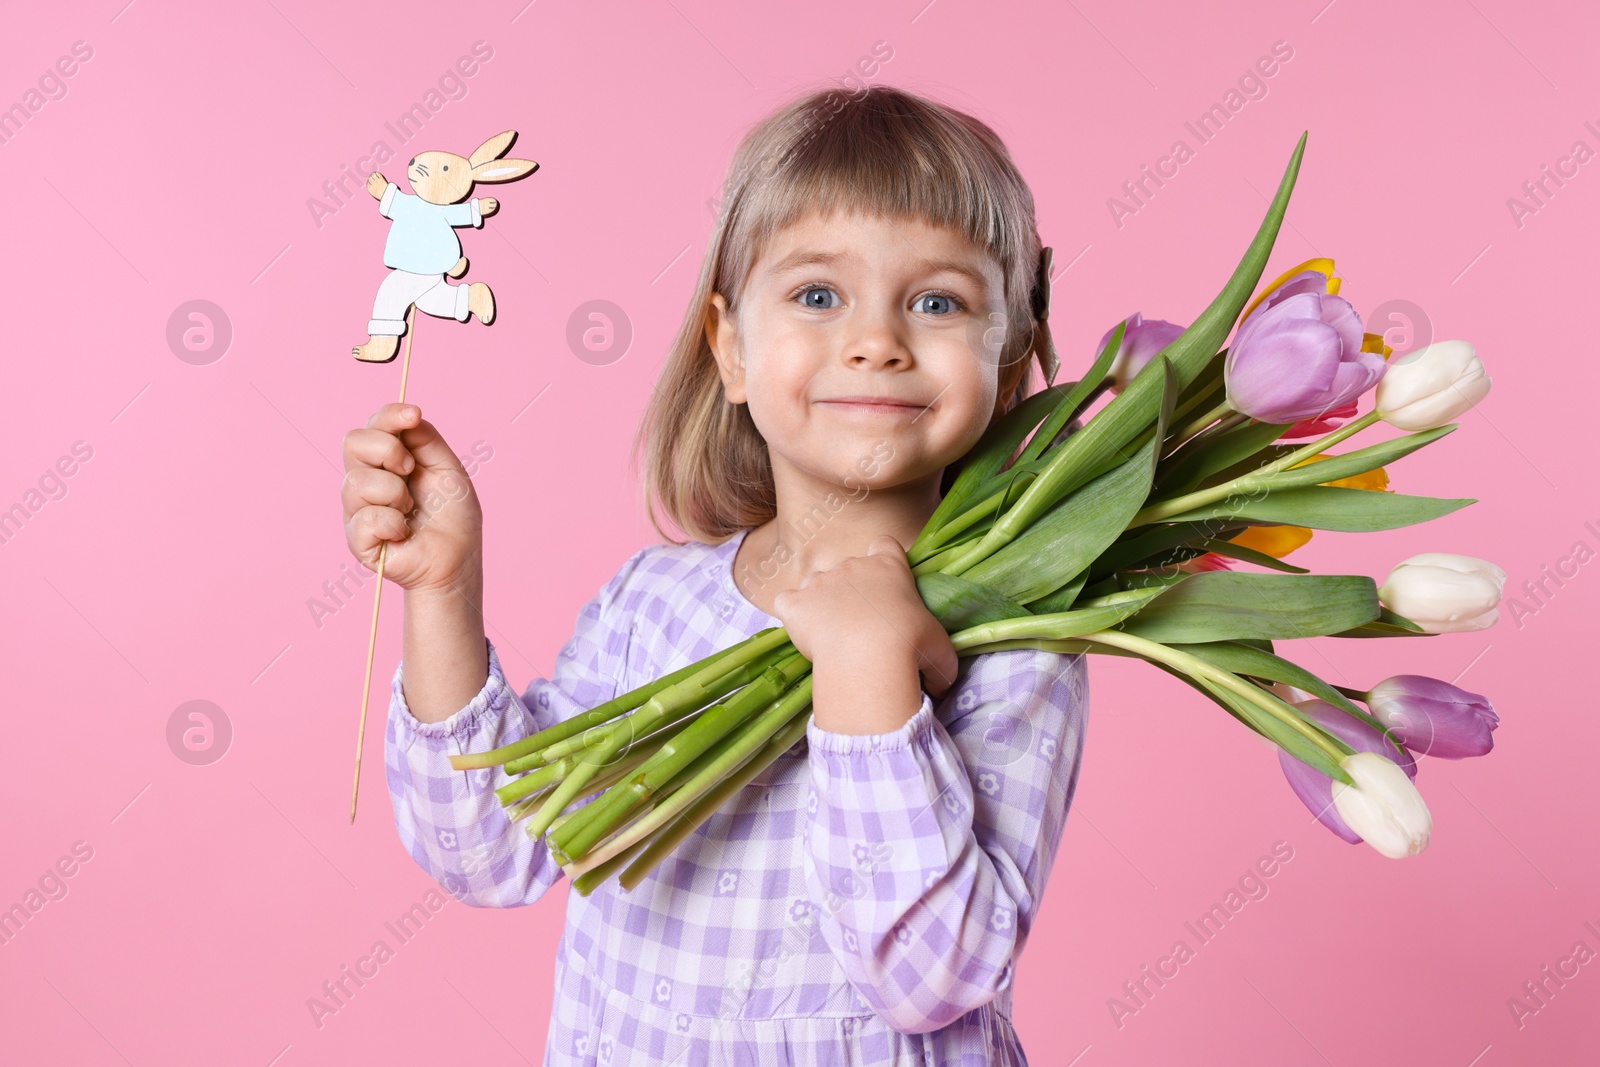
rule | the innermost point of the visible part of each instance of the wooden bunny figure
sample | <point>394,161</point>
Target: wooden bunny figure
<point>422,247</point>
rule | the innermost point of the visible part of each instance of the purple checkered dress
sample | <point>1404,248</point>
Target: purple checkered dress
<point>862,901</point>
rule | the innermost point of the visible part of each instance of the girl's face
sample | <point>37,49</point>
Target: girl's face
<point>866,348</point>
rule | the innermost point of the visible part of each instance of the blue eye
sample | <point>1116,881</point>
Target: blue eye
<point>945,300</point>
<point>807,292</point>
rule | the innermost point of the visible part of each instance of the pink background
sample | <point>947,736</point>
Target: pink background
<point>179,563</point>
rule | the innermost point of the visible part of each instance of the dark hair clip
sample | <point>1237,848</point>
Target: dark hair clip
<point>1041,286</point>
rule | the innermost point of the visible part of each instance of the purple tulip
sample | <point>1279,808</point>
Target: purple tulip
<point>1141,340</point>
<point>1434,717</point>
<point>1298,354</point>
<point>1314,788</point>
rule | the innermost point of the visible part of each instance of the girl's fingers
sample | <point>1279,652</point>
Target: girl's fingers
<point>372,447</point>
<point>373,485</point>
<point>419,437</point>
<point>369,527</point>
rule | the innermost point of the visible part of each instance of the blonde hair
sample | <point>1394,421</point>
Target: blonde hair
<point>879,150</point>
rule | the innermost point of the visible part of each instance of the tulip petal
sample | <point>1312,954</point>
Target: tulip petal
<point>1383,806</point>
<point>1283,371</point>
<point>1315,791</point>
<point>1314,788</point>
<point>1434,717</point>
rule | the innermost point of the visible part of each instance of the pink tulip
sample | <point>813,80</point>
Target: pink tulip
<point>1434,717</point>
<point>1298,354</point>
<point>1141,340</point>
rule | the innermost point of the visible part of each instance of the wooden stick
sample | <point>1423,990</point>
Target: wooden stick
<point>377,594</point>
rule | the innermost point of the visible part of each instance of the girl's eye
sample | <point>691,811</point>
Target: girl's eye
<point>942,303</point>
<point>814,298</point>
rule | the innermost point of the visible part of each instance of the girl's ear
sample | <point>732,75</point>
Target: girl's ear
<point>722,335</point>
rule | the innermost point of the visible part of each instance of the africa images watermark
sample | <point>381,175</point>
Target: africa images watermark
<point>852,83</point>
<point>351,186</point>
<point>339,991</point>
<point>1251,886</point>
<point>1252,85</point>
<point>796,533</point>
<point>51,85</point>
<point>1537,993</point>
<point>343,589</point>
<point>1538,192</point>
<point>1553,577</point>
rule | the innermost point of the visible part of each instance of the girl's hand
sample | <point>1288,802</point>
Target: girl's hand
<point>403,485</point>
<point>864,618</point>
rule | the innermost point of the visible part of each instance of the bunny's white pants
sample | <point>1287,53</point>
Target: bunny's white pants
<point>430,292</point>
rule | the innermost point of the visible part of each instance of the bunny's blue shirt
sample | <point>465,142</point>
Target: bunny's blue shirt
<point>423,239</point>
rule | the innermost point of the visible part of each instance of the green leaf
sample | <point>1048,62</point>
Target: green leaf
<point>1080,392</point>
<point>1197,345</point>
<point>1194,465</point>
<point>1062,599</point>
<point>1099,446</point>
<point>1326,507</point>
<point>1127,581</point>
<point>1063,542</point>
<point>1387,624</point>
<point>1360,461</point>
<point>1249,555</point>
<point>1223,605</point>
<point>985,459</point>
<point>958,603</point>
<point>1149,542</point>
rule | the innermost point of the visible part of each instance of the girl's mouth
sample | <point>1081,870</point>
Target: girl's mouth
<point>870,405</point>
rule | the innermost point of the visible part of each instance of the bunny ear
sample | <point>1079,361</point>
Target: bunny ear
<point>503,170</point>
<point>493,148</point>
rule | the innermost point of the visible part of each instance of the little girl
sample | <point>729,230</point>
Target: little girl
<point>868,304</point>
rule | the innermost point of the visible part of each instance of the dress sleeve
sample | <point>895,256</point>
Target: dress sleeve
<point>929,847</point>
<point>450,821</point>
<point>386,203</point>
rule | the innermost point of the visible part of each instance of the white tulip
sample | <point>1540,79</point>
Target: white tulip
<point>1383,806</point>
<point>1431,386</point>
<point>1445,593</point>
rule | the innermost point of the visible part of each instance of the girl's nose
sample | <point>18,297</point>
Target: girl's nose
<point>876,344</point>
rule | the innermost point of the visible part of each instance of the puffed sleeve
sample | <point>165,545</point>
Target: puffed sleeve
<point>929,847</point>
<point>450,821</point>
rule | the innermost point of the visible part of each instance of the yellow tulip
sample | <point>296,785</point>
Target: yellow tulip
<point>1275,541</point>
<point>1322,265</point>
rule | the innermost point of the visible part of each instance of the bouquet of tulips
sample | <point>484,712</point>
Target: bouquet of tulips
<point>1120,537</point>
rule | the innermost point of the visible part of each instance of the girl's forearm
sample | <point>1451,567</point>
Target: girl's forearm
<point>445,655</point>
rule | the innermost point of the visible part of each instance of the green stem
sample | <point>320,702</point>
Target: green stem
<point>1255,479</point>
<point>690,691</point>
<point>707,805</point>
<point>534,743</point>
<point>959,524</point>
<point>1198,398</point>
<point>1193,665</point>
<point>590,739</point>
<point>767,738</point>
<point>1042,494</point>
<point>1201,423</point>
<point>647,782</point>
